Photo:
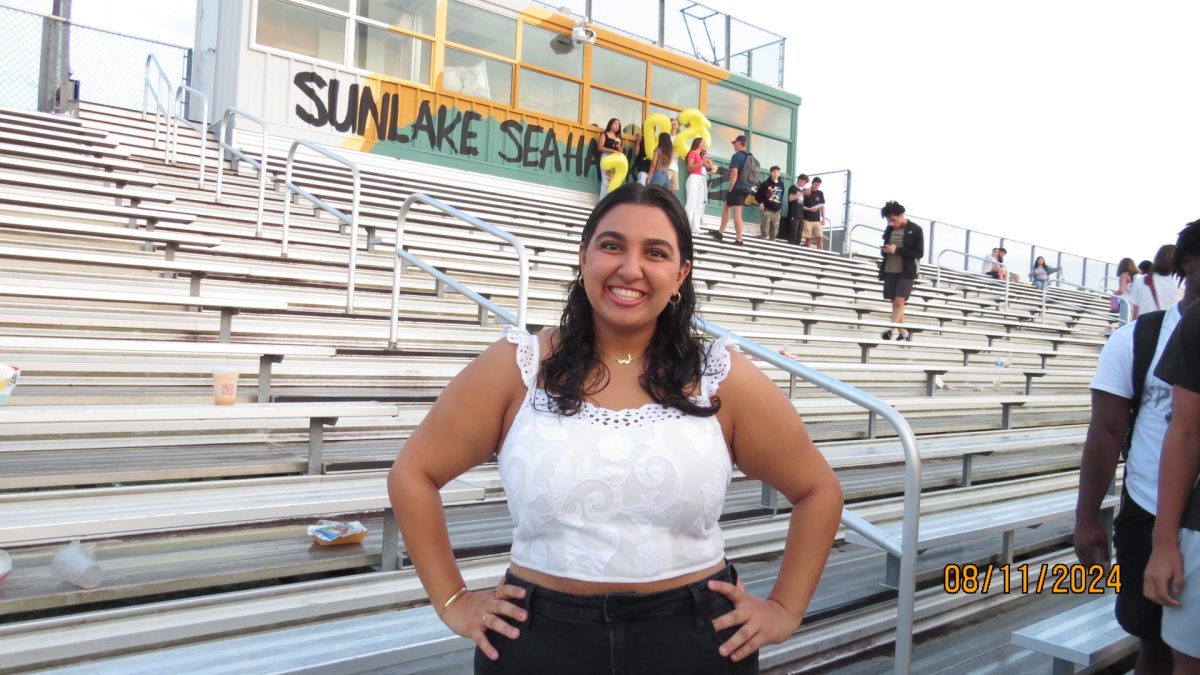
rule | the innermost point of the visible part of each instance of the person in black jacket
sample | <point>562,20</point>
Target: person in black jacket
<point>903,247</point>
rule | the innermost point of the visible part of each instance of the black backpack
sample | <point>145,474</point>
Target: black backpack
<point>1145,342</point>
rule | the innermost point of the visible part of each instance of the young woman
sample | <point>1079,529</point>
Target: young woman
<point>610,141</point>
<point>1157,290</point>
<point>1127,275</point>
<point>696,187</point>
<point>616,434</point>
<point>664,157</point>
<point>1040,273</point>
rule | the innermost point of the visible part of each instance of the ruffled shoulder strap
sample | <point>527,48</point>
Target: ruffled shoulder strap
<point>716,366</point>
<point>528,348</point>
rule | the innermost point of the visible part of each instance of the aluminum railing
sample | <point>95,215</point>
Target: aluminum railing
<point>938,263</point>
<point>445,280</point>
<point>849,240</point>
<point>350,221</point>
<point>1061,282</point>
<point>201,129</point>
<point>223,132</point>
<point>162,110</point>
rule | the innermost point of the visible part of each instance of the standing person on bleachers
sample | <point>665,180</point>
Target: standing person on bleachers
<point>795,212</point>
<point>1131,406</point>
<point>1127,276</point>
<point>814,215</point>
<point>662,161</point>
<point>735,198</point>
<point>641,163</point>
<point>1173,573</point>
<point>615,434</point>
<point>673,167</point>
<point>1157,290</point>
<point>769,196</point>
<point>610,141</point>
<point>696,187</point>
<point>1040,273</point>
<point>903,247</point>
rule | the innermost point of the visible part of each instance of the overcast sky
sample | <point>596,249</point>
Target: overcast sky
<point>1067,123</point>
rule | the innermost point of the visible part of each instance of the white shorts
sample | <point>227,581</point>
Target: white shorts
<point>1179,623</point>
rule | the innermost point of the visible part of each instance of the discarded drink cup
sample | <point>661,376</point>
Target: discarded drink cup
<point>75,565</point>
<point>225,383</point>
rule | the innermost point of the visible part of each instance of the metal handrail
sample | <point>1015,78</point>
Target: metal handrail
<point>223,132</point>
<point>1061,282</point>
<point>522,261</point>
<point>906,548</point>
<point>1129,306</point>
<point>850,237</point>
<point>1104,282</point>
<point>938,263</point>
<point>202,128</point>
<point>351,220</point>
<point>148,89</point>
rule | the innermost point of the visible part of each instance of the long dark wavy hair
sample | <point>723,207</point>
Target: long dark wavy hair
<point>675,358</point>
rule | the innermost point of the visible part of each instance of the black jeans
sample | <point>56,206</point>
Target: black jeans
<point>618,633</point>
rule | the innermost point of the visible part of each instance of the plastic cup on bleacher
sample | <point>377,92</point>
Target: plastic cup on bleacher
<point>225,383</point>
<point>5,567</point>
<point>75,565</point>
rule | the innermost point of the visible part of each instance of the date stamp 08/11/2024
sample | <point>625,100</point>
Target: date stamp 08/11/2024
<point>1057,579</point>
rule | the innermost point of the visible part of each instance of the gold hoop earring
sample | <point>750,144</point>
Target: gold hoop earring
<point>676,297</point>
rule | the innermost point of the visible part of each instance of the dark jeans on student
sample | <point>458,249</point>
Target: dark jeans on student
<point>618,633</point>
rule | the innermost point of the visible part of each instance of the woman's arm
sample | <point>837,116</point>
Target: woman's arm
<point>1124,284</point>
<point>771,443</point>
<point>654,162</point>
<point>462,430</point>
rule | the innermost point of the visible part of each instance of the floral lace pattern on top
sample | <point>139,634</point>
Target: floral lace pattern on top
<point>630,495</point>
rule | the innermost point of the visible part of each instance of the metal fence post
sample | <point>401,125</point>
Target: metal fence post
<point>662,23</point>
<point>1083,277</point>
<point>55,70</point>
<point>728,39</point>
<point>929,249</point>
<point>966,250</point>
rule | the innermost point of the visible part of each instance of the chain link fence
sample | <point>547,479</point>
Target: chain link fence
<point>689,28</point>
<point>109,67</point>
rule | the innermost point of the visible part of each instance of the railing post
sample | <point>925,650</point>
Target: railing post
<point>967,251</point>
<point>662,23</point>
<point>929,249</point>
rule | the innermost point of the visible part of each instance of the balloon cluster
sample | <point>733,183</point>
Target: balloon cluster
<point>692,125</point>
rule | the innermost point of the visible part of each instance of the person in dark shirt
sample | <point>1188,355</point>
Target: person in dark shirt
<point>903,247</point>
<point>814,215</point>
<point>1172,577</point>
<point>735,198</point>
<point>795,212</point>
<point>770,201</point>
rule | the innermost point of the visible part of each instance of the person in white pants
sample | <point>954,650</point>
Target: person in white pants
<point>698,165</point>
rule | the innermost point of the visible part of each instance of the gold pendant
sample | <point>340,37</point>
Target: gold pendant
<point>627,360</point>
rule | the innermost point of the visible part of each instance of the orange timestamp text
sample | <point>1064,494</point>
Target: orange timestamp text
<point>1058,579</point>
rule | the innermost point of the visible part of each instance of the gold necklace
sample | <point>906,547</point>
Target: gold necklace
<point>629,358</point>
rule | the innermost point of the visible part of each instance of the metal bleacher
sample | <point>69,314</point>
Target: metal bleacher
<point>119,283</point>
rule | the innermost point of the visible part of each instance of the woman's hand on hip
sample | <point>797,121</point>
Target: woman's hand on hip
<point>479,611</point>
<point>762,622</point>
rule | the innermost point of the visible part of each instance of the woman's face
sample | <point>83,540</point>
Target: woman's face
<point>1040,262</point>
<point>632,266</point>
<point>614,126</point>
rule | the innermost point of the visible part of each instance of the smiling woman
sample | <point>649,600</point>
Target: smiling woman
<point>616,435</point>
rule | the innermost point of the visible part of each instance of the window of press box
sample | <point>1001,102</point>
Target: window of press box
<point>726,104</point>
<point>414,15</point>
<point>393,54</point>
<point>550,50</point>
<point>772,118</point>
<point>547,94</point>
<point>769,152</point>
<point>722,141</point>
<point>603,106</point>
<point>618,71</point>
<point>340,5</point>
<point>301,30</point>
<point>476,27</point>
<point>478,76</point>
<point>673,87</point>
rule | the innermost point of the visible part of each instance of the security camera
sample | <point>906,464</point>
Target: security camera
<point>581,33</point>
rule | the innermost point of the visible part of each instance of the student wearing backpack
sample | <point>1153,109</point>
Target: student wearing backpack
<point>1130,410</point>
<point>742,167</point>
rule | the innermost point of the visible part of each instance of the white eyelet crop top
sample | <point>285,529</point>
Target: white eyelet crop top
<point>629,495</point>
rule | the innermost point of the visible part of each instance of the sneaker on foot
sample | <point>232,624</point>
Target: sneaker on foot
<point>718,236</point>
<point>739,242</point>
<point>886,335</point>
<point>907,337</point>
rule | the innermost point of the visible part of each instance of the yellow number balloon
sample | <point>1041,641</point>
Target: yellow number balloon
<point>692,125</point>
<point>615,162</point>
<point>655,124</point>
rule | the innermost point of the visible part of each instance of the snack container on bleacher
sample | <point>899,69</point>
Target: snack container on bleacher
<point>8,381</point>
<point>335,533</point>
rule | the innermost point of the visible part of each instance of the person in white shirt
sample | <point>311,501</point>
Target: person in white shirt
<point>1158,289</point>
<point>1112,397</point>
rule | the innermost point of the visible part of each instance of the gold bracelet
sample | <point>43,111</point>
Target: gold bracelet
<point>454,597</point>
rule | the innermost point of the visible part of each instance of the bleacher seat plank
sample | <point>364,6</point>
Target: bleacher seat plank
<point>1082,636</point>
